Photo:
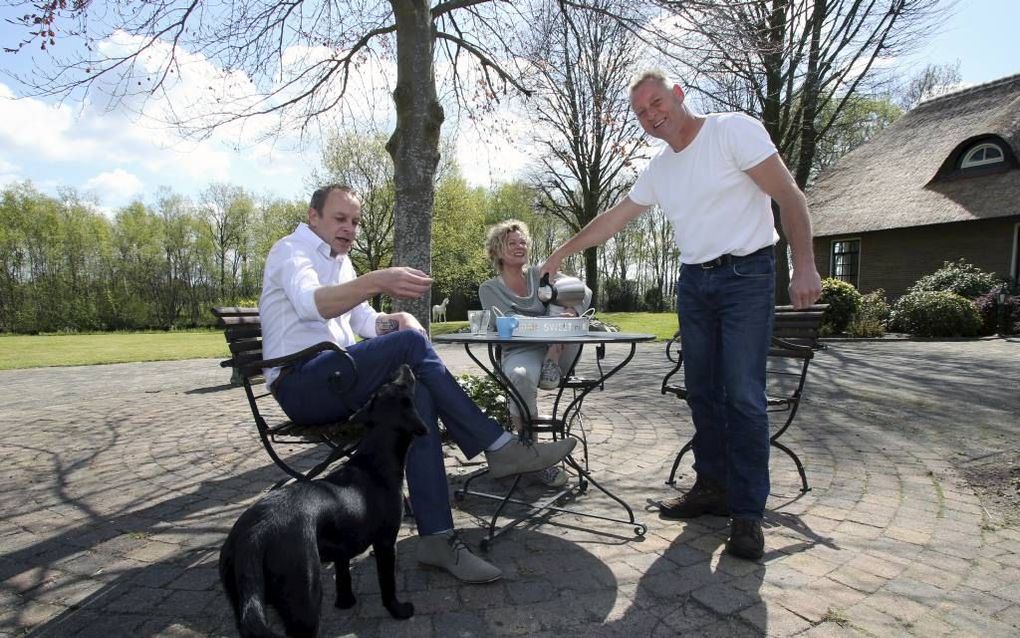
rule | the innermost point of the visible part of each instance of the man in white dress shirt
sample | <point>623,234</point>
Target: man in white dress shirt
<point>311,294</point>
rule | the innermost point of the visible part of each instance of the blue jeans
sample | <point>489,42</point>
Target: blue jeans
<point>726,316</point>
<point>308,396</point>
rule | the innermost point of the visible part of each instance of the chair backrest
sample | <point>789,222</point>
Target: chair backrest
<point>243,330</point>
<point>795,332</point>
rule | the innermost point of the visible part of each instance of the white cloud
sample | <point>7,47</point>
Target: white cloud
<point>118,150</point>
<point>117,185</point>
<point>9,172</point>
<point>495,150</point>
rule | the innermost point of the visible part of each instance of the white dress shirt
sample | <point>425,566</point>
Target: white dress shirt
<point>296,266</point>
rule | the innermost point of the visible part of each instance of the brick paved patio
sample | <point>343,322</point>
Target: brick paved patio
<point>122,480</point>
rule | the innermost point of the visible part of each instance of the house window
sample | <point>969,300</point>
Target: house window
<point>846,260</point>
<point>982,155</point>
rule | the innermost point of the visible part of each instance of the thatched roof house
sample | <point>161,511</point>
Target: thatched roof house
<point>941,183</point>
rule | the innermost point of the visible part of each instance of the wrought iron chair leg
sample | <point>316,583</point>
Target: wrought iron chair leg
<point>676,462</point>
<point>800,466</point>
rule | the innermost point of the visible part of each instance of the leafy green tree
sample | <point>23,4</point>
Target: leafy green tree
<point>86,250</point>
<point>586,135</point>
<point>228,212</point>
<point>459,263</point>
<point>362,162</point>
<point>13,252</point>
<point>139,257</point>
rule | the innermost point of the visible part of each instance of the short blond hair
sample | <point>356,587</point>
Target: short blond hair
<point>651,75</point>
<point>496,239</point>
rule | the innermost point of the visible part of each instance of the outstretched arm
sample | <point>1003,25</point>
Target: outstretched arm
<point>772,176</point>
<point>399,281</point>
<point>595,233</point>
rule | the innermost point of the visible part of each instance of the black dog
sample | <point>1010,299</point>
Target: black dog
<point>273,552</point>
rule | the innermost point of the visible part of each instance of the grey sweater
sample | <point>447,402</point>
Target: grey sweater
<point>495,293</point>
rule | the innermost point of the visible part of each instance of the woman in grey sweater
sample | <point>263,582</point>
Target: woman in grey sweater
<point>514,290</point>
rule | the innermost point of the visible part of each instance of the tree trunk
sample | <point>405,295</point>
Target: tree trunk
<point>591,271</point>
<point>809,132</point>
<point>414,145</point>
<point>771,108</point>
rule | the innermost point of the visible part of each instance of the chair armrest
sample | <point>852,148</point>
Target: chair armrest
<point>789,345</point>
<point>301,355</point>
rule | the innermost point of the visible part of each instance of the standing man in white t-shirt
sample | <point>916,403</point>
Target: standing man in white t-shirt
<point>715,180</point>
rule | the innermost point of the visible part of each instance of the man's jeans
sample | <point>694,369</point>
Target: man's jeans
<point>726,315</point>
<point>309,396</point>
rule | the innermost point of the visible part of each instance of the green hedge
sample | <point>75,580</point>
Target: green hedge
<point>844,303</point>
<point>936,314</point>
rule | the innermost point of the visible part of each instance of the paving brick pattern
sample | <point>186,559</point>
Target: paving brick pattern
<point>121,482</point>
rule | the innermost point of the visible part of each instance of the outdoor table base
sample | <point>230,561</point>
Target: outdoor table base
<point>559,425</point>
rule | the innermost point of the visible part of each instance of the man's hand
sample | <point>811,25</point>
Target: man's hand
<point>551,266</point>
<point>384,324</point>
<point>408,322</point>
<point>805,287</point>
<point>402,282</point>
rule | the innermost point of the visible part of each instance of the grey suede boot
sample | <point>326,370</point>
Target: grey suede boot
<point>517,458</point>
<point>448,552</point>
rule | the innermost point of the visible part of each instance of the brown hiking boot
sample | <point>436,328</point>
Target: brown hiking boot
<point>705,497</point>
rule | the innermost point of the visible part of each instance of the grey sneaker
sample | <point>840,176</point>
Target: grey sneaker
<point>550,378</point>
<point>517,458</point>
<point>554,476</point>
<point>448,552</point>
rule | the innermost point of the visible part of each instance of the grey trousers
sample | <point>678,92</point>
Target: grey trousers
<point>523,366</point>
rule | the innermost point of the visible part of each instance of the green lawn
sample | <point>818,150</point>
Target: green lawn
<point>26,351</point>
<point>660,324</point>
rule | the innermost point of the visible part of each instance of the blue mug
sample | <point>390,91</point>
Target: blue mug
<point>505,326</point>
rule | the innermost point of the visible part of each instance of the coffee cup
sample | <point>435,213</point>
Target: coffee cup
<point>505,326</point>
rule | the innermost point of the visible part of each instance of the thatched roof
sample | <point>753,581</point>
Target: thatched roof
<point>906,175</point>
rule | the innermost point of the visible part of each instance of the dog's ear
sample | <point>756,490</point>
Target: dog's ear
<point>363,414</point>
<point>405,376</point>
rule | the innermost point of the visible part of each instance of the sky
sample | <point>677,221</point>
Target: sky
<point>116,157</point>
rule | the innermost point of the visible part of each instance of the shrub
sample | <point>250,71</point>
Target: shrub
<point>874,307</point>
<point>871,319</point>
<point>844,303</point>
<point>864,327</point>
<point>653,300</point>
<point>988,307</point>
<point>487,395</point>
<point>936,314</point>
<point>959,277</point>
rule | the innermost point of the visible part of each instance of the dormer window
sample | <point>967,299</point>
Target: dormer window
<point>983,155</point>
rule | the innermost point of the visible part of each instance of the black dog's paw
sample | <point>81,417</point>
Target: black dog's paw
<point>345,601</point>
<point>399,610</point>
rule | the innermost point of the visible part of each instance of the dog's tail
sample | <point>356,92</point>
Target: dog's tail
<point>242,576</point>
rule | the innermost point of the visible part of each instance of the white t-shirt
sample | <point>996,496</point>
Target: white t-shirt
<point>296,266</point>
<point>714,206</point>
